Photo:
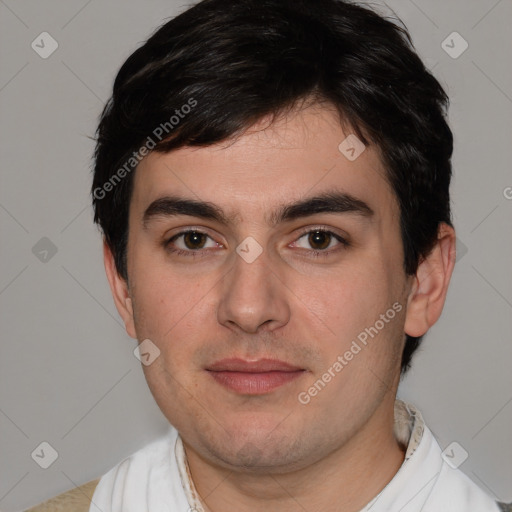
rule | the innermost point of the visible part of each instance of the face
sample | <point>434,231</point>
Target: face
<point>280,330</point>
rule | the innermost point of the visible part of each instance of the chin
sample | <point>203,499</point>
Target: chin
<point>256,448</point>
<point>260,458</point>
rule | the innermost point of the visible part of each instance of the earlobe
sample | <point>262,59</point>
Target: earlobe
<point>428,292</point>
<point>120,292</point>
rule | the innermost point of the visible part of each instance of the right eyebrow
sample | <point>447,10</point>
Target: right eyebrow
<point>171,206</point>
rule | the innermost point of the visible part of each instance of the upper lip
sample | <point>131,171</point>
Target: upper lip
<point>258,366</point>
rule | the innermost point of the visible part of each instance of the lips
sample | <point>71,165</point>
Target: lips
<point>253,377</point>
<point>258,366</point>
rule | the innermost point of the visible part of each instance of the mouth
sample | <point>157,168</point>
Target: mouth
<point>258,377</point>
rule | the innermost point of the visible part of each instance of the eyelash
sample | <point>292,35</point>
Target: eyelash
<point>199,252</point>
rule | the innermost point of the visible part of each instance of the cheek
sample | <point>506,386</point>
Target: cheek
<point>352,296</point>
<point>175,312</point>
<point>162,295</point>
<point>347,308</point>
<point>163,307</point>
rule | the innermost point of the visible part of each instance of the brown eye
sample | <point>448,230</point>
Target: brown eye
<point>319,240</point>
<point>190,243</point>
<point>194,240</point>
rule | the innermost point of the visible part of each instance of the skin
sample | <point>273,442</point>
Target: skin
<point>254,452</point>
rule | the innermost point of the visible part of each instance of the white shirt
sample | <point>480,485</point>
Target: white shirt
<point>157,478</point>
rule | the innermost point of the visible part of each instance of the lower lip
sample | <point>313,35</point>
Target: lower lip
<point>254,383</point>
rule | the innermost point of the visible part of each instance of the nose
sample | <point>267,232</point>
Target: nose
<point>253,296</point>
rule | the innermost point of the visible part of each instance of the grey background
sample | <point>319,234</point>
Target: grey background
<point>67,369</point>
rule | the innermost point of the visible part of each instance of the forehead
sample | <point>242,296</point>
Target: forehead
<point>299,155</point>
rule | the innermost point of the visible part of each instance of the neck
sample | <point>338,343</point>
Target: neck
<point>345,481</point>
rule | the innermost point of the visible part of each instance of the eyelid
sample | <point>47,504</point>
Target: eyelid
<point>337,233</point>
<point>191,229</point>
<point>342,239</point>
<point>320,227</point>
<point>302,232</point>
<point>188,229</point>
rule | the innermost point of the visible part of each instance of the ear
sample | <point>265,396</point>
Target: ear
<point>428,293</point>
<point>120,292</point>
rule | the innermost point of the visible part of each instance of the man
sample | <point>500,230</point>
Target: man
<point>272,182</point>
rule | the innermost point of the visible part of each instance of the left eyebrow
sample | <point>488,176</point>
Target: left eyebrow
<point>328,202</point>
